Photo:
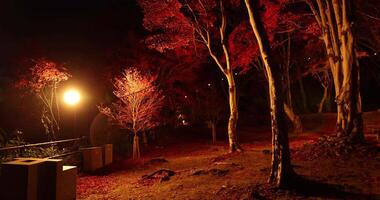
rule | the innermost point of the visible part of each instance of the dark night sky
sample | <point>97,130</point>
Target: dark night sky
<point>74,31</point>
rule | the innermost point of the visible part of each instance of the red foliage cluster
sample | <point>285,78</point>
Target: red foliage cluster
<point>164,18</point>
<point>46,73</point>
<point>172,25</point>
<point>43,74</point>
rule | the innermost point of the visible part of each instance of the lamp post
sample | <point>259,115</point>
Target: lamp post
<point>72,97</point>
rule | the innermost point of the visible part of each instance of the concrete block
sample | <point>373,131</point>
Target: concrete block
<point>20,178</point>
<point>68,183</point>
<point>51,180</point>
<point>92,158</point>
<point>107,154</point>
<point>59,181</point>
<point>50,174</point>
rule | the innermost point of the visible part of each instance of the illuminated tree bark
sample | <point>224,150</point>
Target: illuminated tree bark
<point>323,100</point>
<point>226,69</point>
<point>294,118</point>
<point>288,103</point>
<point>335,20</point>
<point>325,82</point>
<point>281,169</point>
<point>232,122</point>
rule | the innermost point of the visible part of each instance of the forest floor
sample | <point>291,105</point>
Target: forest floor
<point>205,171</point>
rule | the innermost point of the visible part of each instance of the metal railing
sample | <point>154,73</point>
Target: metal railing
<point>75,148</point>
<point>41,144</point>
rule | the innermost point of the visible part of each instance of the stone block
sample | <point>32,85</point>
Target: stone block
<point>68,183</point>
<point>20,179</point>
<point>92,158</point>
<point>107,154</point>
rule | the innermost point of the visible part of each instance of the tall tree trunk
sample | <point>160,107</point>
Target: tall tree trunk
<point>349,98</point>
<point>281,170</point>
<point>335,19</point>
<point>136,147</point>
<point>228,73</point>
<point>232,122</point>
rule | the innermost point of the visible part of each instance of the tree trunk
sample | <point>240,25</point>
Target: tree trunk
<point>351,112</point>
<point>303,95</point>
<point>232,122</point>
<point>228,72</point>
<point>136,147</point>
<point>323,100</point>
<point>295,119</point>
<point>145,139</point>
<point>281,170</point>
<point>153,133</point>
<point>213,131</point>
<point>335,19</point>
<point>289,90</point>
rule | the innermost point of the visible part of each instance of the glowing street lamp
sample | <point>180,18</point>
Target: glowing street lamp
<point>71,97</point>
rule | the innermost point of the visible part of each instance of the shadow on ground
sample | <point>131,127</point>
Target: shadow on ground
<point>302,188</point>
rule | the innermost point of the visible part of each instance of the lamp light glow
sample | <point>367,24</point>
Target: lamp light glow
<point>71,97</point>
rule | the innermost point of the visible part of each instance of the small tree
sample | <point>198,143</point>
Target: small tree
<point>213,111</point>
<point>43,80</point>
<point>139,102</point>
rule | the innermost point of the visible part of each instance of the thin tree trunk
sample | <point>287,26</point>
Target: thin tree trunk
<point>281,170</point>
<point>287,75</point>
<point>213,131</point>
<point>145,139</point>
<point>228,73</point>
<point>303,94</point>
<point>288,90</point>
<point>136,147</point>
<point>330,100</point>
<point>295,119</point>
<point>153,133</point>
<point>323,100</point>
<point>232,122</point>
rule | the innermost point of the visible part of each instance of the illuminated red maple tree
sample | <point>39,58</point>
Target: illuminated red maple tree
<point>139,102</point>
<point>43,80</point>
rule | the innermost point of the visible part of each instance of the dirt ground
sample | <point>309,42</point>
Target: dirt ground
<point>205,171</point>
